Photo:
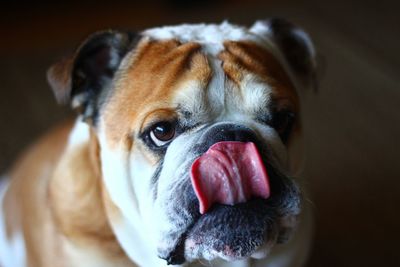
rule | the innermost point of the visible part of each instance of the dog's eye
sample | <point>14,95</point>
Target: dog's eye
<point>283,121</point>
<point>162,133</point>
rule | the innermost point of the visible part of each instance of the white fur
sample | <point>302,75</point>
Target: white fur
<point>129,229</point>
<point>211,36</point>
<point>12,251</point>
<point>255,94</point>
<point>124,194</point>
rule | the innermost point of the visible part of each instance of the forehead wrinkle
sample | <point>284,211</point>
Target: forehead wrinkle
<point>155,72</point>
<point>241,58</point>
<point>206,101</point>
<point>192,96</point>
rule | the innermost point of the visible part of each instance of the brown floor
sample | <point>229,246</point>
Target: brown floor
<point>352,123</point>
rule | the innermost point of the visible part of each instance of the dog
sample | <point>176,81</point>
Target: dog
<point>185,151</point>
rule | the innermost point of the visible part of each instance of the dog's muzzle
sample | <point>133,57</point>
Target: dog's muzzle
<point>237,207</point>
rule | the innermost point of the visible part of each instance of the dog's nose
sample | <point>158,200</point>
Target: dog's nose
<point>230,132</point>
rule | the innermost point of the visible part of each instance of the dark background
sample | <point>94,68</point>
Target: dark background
<point>352,123</point>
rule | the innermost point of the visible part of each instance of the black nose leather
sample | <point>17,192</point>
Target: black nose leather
<point>230,132</point>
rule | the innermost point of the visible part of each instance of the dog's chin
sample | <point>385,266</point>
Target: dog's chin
<point>233,232</point>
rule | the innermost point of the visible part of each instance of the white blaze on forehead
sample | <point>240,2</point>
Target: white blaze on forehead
<point>210,36</point>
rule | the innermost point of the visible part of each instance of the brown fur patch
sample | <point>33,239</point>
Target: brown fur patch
<point>247,57</point>
<point>240,57</point>
<point>57,194</point>
<point>26,201</point>
<point>156,69</point>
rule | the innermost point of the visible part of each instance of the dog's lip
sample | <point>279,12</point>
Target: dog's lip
<point>247,232</point>
<point>188,241</point>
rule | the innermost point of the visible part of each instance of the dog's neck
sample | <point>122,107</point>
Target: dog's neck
<point>76,195</point>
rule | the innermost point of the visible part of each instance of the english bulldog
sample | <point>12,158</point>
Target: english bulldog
<point>185,152</point>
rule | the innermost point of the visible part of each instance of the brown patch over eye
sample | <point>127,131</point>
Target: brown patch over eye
<point>150,79</point>
<point>242,57</point>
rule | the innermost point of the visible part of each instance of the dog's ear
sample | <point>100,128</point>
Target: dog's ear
<point>295,45</point>
<point>81,79</point>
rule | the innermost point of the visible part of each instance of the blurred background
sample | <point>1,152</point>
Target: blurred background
<point>352,123</point>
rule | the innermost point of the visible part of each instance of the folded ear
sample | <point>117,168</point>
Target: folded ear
<point>82,78</point>
<point>295,45</point>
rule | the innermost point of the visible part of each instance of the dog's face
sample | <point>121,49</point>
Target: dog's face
<point>162,100</point>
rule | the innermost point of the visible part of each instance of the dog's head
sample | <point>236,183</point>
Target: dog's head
<point>199,129</point>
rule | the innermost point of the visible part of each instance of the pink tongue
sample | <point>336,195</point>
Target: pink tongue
<point>229,173</point>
